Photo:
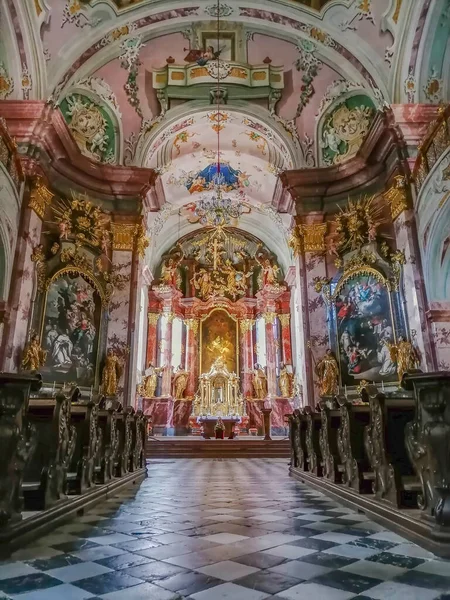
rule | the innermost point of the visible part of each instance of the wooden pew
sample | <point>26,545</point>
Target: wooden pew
<point>45,477</point>
<point>428,444</point>
<point>353,462</point>
<point>109,445</point>
<point>17,439</point>
<point>82,469</point>
<point>384,438</point>
<point>313,453</point>
<point>125,421</point>
<point>330,418</point>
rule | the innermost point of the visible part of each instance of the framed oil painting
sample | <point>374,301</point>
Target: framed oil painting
<point>226,44</point>
<point>71,330</point>
<point>218,338</point>
<point>364,328</point>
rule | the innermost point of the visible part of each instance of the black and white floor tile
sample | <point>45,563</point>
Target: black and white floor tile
<point>223,530</point>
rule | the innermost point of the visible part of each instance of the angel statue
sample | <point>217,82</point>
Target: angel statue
<point>34,356</point>
<point>404,355</point>
<point>180,380</point>
<point>111,373</point>
<point>270,272</point>
<point>327,371</point>
<point>259,381</point>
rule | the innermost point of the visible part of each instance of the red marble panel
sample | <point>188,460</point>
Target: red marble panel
<point>182,410</point>
<point>280,407</point>
<point>255,415</point>
<point>158,410</point>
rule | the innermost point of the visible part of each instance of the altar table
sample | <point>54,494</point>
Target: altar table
<point>209,423</point>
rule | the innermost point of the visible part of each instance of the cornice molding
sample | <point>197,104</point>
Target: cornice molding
<point>377,159</point>
<point>45,141</point>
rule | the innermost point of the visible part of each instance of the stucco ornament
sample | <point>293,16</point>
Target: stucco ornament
<point>88,127</point>
<point>344,132</point>
<point>6,82</point>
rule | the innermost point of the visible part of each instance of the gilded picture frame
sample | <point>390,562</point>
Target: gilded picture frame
<point>225,328</point>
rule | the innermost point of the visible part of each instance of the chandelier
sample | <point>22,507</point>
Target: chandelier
<point>216,210</point>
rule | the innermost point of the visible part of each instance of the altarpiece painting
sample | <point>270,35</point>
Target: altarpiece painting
<point>71,329</point>
<point>219,340</point>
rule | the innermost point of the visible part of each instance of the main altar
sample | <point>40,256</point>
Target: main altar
<point>219,340</point>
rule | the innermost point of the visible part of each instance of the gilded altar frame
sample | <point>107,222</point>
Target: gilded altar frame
<point>395,313</point>
<point>202,339</point>
<point>93,281</point>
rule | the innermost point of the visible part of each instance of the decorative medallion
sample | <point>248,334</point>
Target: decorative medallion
<point>40,197</point>
<point>219,10</point>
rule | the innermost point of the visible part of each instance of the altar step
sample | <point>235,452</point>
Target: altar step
<point>170,447</point>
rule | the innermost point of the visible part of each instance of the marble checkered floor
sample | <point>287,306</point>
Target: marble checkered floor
<point>223,530</point>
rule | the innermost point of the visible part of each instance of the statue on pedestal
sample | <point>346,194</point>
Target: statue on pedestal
<point>327,370</point>
<point>111,374</point>
<point>180,380</point>
<point>404,354</point>
<point>34,356</point>
<point>147,388</point>
<point>259,380</point>
<point>285,382</point>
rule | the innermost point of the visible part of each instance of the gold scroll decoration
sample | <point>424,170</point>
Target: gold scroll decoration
<point>285,319</point>
<point>246,325</point>
<point>397,197</point>
<point>153,318</point>
<point>308,237</point>
<point>40,197</point>
<point>269,317</point>
<point>123,236</point>
<point>193,325</point>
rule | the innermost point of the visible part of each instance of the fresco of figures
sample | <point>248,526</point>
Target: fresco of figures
<point>71,330</point>
<point>365,330</point>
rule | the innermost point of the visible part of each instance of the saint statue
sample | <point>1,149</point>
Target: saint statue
<point>180,380</point>
<point>111,374</point>
<point>259,381</point>
<point>147,388</point>
<point>269,271</point>
<point>327,370</point>
<point>34,356</point>
<point>404,354</point>
<point>285,382</point>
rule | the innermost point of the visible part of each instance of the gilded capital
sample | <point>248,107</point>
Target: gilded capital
<point>397,197</point>
<point>192,324</point>
<point>123,236</point>
<point>285,319</point>
<point>314,236</point>
<point>40,197</point>
<point>246,325</point>
<point>269,317</point>
<point>153,318</point>
<point>309,237</point>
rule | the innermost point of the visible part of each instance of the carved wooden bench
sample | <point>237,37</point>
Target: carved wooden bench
<point>330,419</point>
<point>85,461</point>
<point>45,477</point>
<point>353,462</point>
<point>312,440</point>
<point>384,440</point>
<point>109,445</point>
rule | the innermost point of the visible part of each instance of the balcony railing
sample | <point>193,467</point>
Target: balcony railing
<point>434,145</point>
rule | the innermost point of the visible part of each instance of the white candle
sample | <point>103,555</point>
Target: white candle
<point>54,385</point>
<point>382,385</point>
<point>345,388</point>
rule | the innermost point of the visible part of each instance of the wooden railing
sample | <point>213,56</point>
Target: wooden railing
<point>434,145</point>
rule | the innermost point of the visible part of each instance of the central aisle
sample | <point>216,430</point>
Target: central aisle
<point>223,529</point>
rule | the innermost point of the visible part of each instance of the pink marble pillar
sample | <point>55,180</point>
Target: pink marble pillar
<point>22,291</point>
<point>166,336</point>
<point>247,362</point>
<point>152,338</point>
<point>192,356</point>
<point>414,289</point>
<point>286,347</point>
<point>271,354</point>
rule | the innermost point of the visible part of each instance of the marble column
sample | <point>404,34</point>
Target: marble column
<point>415,308</point>
<point>152,338</point>
<point>247,358</point>
<point>271,353</point>
<point>439,320</point>
<point>166,337</point>
<point>25,280</point>
<point>286,348</point>
<point>192,356</point>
